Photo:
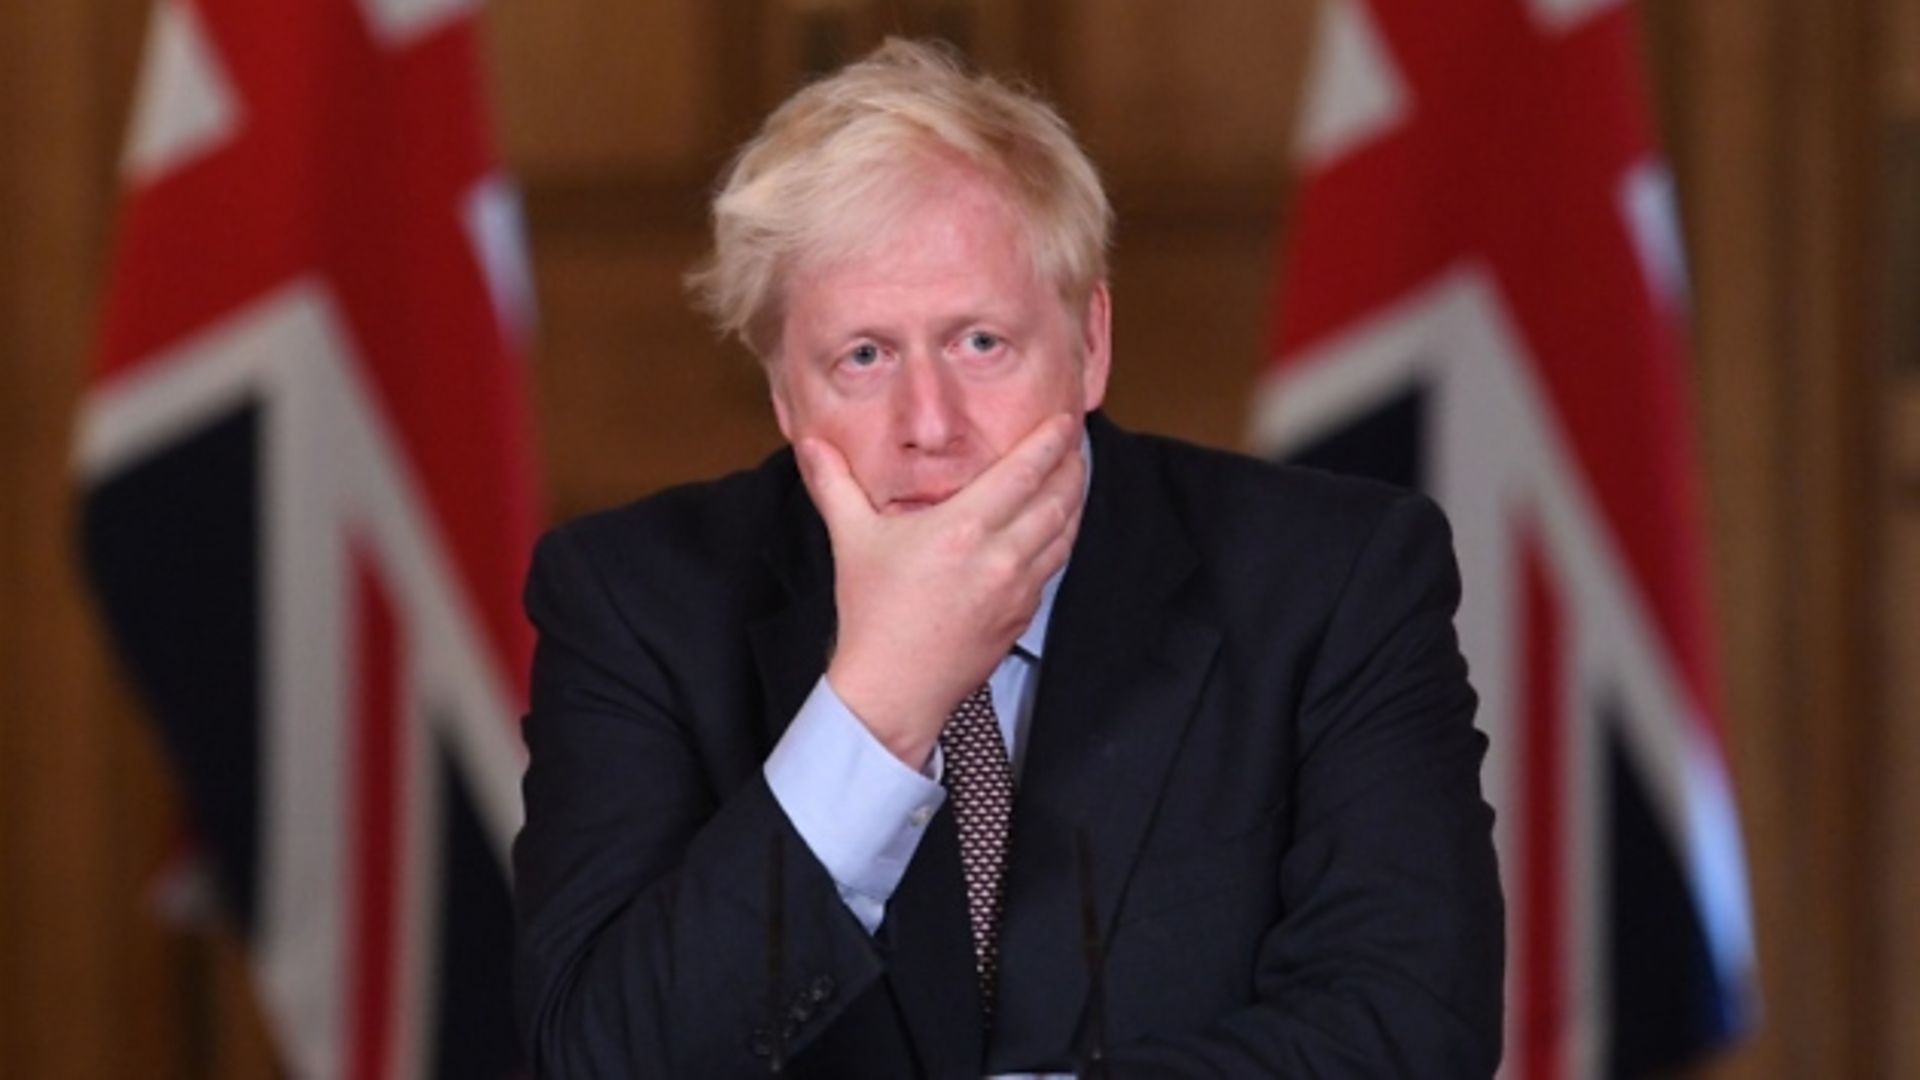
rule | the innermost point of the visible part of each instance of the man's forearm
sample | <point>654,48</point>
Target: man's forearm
<point>860,810</point>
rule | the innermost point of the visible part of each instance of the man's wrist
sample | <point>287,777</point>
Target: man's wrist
<point>908,732</point>
<point>860,811</point>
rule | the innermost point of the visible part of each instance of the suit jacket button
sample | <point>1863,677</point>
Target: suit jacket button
<point>761,1043</point>
<point>820,989</point>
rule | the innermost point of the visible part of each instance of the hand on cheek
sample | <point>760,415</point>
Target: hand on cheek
<point>929,602</point>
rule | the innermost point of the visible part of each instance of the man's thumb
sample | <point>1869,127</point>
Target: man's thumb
<point>835,492</point>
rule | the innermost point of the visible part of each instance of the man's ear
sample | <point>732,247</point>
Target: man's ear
<point>1096,344</point>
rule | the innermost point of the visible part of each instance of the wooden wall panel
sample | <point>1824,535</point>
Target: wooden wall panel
<point>634,393</point>
<point>1896,1015</point>
<point>91,985</point>
<point>72,839</point>
<point>1161,96</point>
<point>587,87</point>
<point>1190,326</point>
<point>51,948</point>
<point>1718,127</point>
<point>1767,117</point>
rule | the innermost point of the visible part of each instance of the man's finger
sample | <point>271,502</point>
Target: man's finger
<point>1008,484</point>
<point>1057,546</point>
<point>1059,496</point>
<point>1055,511</point>
<point>1051,542</point>
<point>836,494</point>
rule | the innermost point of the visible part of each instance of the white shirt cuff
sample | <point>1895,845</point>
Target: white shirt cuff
<point>861,810</point>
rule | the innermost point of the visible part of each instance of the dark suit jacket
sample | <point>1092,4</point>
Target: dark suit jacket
<point>1252,703</point>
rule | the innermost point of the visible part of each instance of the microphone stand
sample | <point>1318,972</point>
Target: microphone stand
<point>776,953</point>
<point>1095,1066</point>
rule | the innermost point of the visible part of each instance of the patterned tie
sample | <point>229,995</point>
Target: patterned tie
<point>980,779</point>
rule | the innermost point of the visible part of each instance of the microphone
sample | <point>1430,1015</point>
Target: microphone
<point>1095,1065</point>
<point>776,952</point>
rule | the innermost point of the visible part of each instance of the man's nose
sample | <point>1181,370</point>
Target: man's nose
<point>927,405</point>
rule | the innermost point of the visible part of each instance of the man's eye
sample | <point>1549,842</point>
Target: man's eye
<point>863,355</point>
<point>982,341</point>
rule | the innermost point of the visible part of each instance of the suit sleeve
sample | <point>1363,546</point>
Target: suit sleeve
<point>642,896</point>
<point>1388,960</point>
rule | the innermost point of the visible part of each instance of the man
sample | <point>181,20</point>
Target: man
<point>835,763</point>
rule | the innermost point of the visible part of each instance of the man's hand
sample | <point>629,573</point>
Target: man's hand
<point>930,601</point>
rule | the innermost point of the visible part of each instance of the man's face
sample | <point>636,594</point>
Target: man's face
<point>931,354</point>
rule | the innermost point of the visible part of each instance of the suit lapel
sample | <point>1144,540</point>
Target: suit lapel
<point>1122,671</point>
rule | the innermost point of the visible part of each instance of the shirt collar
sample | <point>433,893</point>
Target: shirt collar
<point>1032,641</point>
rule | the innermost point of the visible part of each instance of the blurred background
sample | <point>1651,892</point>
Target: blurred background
<point>1793,131</point>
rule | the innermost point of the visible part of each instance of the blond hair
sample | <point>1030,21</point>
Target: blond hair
<point>849,152</point>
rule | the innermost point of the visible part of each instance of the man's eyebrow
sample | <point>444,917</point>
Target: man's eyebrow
<point>859,332</point>
<point>945,328</point>
<point>978,314</point>
<point>1001,316</point>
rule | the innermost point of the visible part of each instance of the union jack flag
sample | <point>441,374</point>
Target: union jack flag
<point>1483,297</point>
<point>309,504</point>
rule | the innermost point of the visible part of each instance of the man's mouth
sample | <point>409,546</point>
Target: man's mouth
<point>907,504</point>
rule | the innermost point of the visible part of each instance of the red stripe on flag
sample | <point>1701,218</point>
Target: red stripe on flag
<point>1542,759</point>
<point>376,751</point>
